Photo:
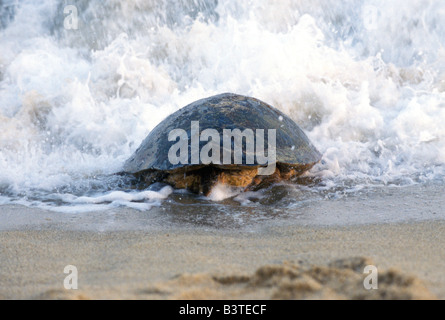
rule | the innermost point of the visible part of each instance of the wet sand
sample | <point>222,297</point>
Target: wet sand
<point>272,262</point>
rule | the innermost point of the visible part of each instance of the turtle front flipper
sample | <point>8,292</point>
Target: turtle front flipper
<point>259,182</point>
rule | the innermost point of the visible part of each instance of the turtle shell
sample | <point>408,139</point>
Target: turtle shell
<point>224,111</point>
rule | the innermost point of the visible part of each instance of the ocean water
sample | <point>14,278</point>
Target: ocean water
<point>364,79</point>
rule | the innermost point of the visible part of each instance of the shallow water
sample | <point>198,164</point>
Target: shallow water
<point>185,212</point>
<point>364,79</point>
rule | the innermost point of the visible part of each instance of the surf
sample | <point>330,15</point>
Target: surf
<point>365,80</point>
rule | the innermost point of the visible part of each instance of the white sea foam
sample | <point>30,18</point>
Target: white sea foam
<point>143,200</point>
<point>221,192</point>
<point>364,79</point>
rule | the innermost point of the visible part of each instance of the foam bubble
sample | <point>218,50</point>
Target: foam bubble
<point>221,192</point>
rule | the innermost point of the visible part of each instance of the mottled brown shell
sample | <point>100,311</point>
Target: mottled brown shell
<point>224,111</point>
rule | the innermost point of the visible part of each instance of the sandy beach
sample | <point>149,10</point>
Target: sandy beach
<point>293,262</point>
<point>318,250</point>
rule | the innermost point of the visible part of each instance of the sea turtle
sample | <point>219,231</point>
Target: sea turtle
<point>203,159</point>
